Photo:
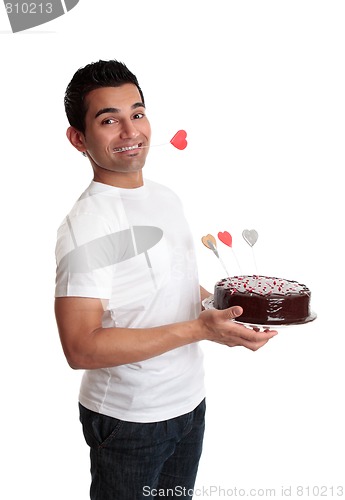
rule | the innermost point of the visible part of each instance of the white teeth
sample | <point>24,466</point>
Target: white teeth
<point>128,148</point>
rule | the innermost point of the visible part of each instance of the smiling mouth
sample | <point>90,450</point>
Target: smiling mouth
<point>128,148</point>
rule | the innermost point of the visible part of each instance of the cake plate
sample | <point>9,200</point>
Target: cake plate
<point>208,303</point>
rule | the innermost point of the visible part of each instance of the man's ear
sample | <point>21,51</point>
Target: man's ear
<point>76,138</point>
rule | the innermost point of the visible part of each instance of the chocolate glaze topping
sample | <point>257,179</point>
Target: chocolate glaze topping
<point>265,300</point>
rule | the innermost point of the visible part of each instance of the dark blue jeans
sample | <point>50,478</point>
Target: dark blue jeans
<point>136,461</point>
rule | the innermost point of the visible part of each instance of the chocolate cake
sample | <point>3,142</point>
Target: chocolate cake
<point>265,300</point>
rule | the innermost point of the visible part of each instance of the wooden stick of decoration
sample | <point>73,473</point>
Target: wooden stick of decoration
<point>251,237</point>
<point>226,238</point>
<point>210,242</point>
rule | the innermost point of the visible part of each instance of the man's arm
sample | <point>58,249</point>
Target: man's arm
<point>87,345</point>
<point>204,294</point>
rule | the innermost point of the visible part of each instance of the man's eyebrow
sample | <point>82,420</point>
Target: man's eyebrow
<point>116,110</point>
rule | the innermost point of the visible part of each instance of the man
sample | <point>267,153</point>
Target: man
<point>128,301</point>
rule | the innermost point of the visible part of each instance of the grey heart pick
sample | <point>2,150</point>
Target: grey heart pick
<point>250,236</point>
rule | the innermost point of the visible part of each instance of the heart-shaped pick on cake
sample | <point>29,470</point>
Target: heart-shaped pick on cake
<point>250,236</point>
<point>225,238</point>
<point>179,140</point>
<point>209,238</point>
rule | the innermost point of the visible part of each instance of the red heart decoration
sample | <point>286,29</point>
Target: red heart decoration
<point>179,140</point>
<point>225,238</point>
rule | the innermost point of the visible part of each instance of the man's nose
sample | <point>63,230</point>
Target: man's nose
<point>128,129</point>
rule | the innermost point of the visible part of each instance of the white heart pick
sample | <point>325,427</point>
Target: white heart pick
<point>250,236</point>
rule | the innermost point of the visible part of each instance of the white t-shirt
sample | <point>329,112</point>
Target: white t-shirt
<point>133,247</point>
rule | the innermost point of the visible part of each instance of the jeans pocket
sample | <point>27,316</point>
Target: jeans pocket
<point>98,429</point>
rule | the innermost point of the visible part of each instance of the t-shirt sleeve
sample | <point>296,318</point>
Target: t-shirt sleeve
<point>84,257</point>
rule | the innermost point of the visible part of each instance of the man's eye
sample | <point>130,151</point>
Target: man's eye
<point>108,121</point>
<point>138,116</point>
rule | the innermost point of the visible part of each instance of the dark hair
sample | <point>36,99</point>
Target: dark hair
<point>93,76</point>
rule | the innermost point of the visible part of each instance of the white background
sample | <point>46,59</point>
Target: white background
<point>259,88</point>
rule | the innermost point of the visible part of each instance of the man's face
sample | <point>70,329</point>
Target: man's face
<point>117,132</point>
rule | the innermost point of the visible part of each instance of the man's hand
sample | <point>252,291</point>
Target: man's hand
<point>219,328</point>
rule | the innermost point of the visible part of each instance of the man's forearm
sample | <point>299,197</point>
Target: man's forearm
<point>87,345</point>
